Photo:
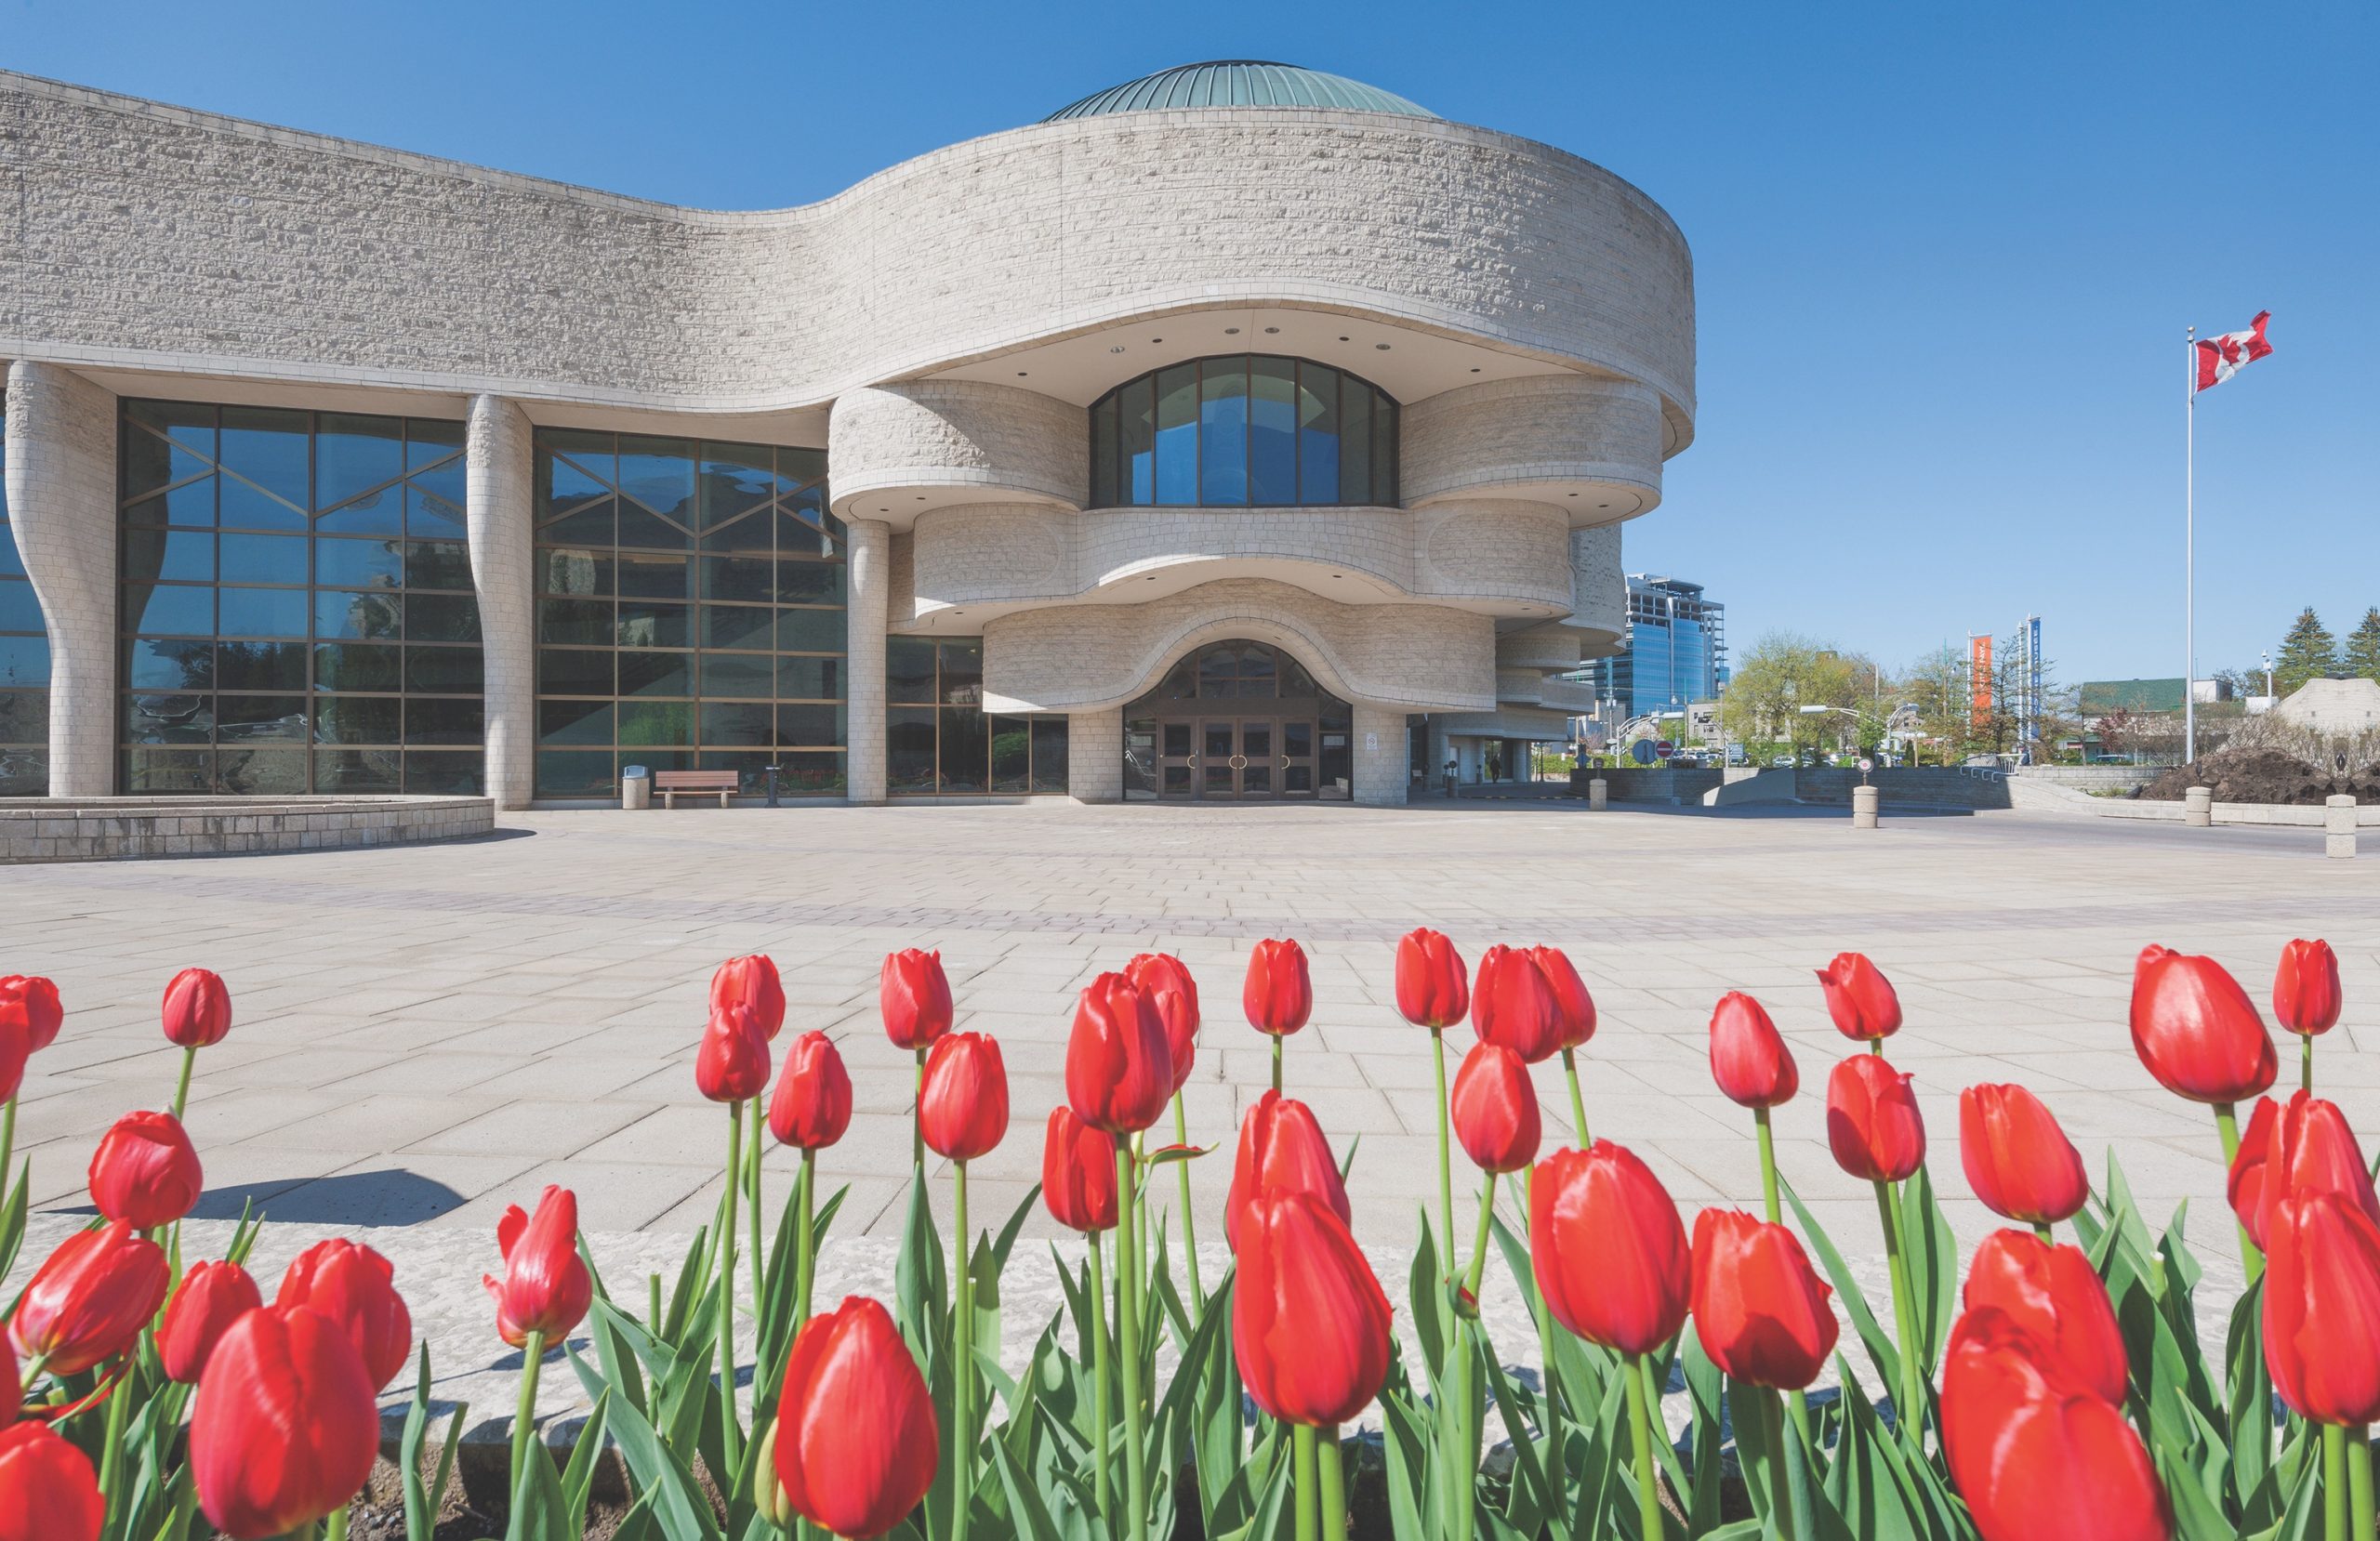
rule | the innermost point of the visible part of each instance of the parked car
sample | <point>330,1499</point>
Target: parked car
<point>1781,762</point>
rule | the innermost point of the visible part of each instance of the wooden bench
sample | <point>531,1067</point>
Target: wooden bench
<point>673,784</point>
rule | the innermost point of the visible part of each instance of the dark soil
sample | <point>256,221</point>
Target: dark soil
<point>2260,776</point>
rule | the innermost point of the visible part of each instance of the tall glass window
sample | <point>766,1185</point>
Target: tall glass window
<point>937,737</point>
<point>1244,431</point>
<point>690,613</point>
<point>25,664</point>
<point>296,604</point>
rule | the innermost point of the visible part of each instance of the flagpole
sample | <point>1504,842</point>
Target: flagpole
<point>2189,545</point>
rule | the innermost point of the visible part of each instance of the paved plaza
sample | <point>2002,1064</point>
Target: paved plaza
<point>424,1035</point>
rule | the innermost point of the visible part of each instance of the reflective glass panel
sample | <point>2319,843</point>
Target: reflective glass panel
<point>1177,434</point>
<point>1223,431</point>
<point>1271,433</point>
<point>1317,433</point>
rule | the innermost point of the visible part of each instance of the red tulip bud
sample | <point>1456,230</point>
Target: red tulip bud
<point>1281,1149</point>
<point>1860,998</point>
<point>48,1489</point>
<point>1749,1059</point>
<point>1120,1067</point>
<point>2306,988</point>
<point>1431,989</point>
<point>214,1293</point>
<point>1873,1124</point>
<point>545,1286</point>
<point>812,1105</point>
<point>1759,1312</point>
<point>285,1425</point>
<point>1610,1254</point>
<point>1078,1173</point>
<point>1309,1323</point>
<point>2304,1146</point>
<point>2197,1031</point>
<point>2017,1160</point>
<point>733,1062</point>
<point>16,1048</point>
<point>962,1111</point>
<point>2321,1308</point>
<point>33,1000</point>
<point>90,1300</point>
<point>1278,996</point>
<point>2054,1293</point>
<point>1514,1003</point>
<point>857,1440</point>
<point>1494,1110</point>
<point>355,1288</point>
<point>914,998</point>
<point>198,1009</point>
<point>750,983</point>
<point>1166,984</point>
<point>145,1171</point>
<point>1574,1009</point>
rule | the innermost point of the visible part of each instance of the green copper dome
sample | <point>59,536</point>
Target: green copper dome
<point>1239,82</point>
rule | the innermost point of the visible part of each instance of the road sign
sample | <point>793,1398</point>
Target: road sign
<point>1642,752</point>
<point>1665,748</point>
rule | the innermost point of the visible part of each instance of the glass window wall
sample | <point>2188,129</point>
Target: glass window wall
<point>1244,431</point>
<point>937,737</point>
<point>296,604</point>
<point>25,662</point>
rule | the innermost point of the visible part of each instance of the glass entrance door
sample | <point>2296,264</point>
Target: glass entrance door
<point>1237,758</point>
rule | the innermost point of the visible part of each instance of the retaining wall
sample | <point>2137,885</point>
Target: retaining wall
<point>43,829</point>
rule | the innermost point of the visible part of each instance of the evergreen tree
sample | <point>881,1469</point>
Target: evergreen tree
<point>2309,651</point>
<point>2362,656</point>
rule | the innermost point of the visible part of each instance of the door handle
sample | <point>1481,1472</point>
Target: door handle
<point>1239,763</point>
<point>1285,762</point>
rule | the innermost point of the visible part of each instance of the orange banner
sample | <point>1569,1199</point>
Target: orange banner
<point>1980,679</point>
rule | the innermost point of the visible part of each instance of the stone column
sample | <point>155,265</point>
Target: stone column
<point>498,517</point>
<point>1383,756</point>
<point>871,575</point>
<point>1095,755</point>
<point>62,508</point>
<point>2198,806</point>
<point>2339,826</point>
<point>1863,808</point>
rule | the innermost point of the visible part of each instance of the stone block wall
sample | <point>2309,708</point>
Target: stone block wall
<point>33,831</point>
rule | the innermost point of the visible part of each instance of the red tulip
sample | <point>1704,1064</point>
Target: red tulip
<point>1494,1110</point>
<point>857,1437</point>
<point>34,1000</point>
<point>1873,1124</point>
<point>913,998</point>
<point>2321,1308</point>
<point>1574,1009</point>
<point>214,1293</point>
<point>1078,1173</point>
<point>1281,1150</point>
<point>1166,984</point>
<point>2306,988</point>
<point>12,1387</point>
<point>1759,1312</point>
<point>1309,1323</point>
<point>48,1489</point>
<point>1119,1068</point>
<point>1610,1254</point>
<point>1431,989</point>
<point>355,1288</point>
<point>2053,1293</point>
<point>145,1171</point>
<point>2303,1146</point>
<point>1749,1059</point>
<point>2197,1031</point>
<point>285,1425</point>
<point>1860,998</point>
<point>812,1105</point>
<point>90,1300</point>
<point>733,1062</point>
<point>198,1009</point>
<point>1514,1003</point>
<point>16,1048</point>
<point>2244,1184</point>
<point>2017,1160</point>
<point>751,983</point>
<point>963,1110</point>
<point>546,1285</point>
<point>2035,1453</point>
<point>1277,995</point>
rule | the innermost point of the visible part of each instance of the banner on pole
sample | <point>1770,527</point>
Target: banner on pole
<point>1979,679</point>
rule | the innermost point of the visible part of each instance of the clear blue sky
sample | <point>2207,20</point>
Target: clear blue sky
<point>1944,254</point>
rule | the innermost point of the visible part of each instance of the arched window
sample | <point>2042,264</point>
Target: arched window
<point>1244,429</point>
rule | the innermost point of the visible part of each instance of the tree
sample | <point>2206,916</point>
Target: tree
<point>1784,673</point>
<point>2362,655</point>
<point>2309,651</point>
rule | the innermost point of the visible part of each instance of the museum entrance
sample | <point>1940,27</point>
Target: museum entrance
<point>1237,722</point>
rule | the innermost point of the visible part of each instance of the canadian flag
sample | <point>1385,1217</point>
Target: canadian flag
<point>2220,358</point>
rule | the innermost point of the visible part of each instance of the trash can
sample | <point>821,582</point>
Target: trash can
<point>636,786</point>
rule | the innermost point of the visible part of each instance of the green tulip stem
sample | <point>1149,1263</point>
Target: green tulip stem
<point>731,1439</point>
<point>181,1086</point>
<point>1478,1268</point>
<point>653,1283</point>
<point>1767,1165</point>
<point>1276,1061</point>
<point>2358,1481</point>
<point>805,1236</point>
<point>1332,1487</point>
<point>9,1139</point>
<point>1446,1153</point>
<point>1908,1409</point>
<point>2041,1229</point>
<point>1127,1307</point>
<point>1578,1099</point>
<point>1102,1415</point>
<point>917,1118</point>
<point>1307,1481</point>
<point>2226,1123</point>
<point>2305,1061</point>
<point>2334,1484</point>
<point>1785,1465</point>
<point>525,1411</point>
<point>334,1528</point>
<point>1876,1047</point>
<point>752,1159</point>
<point>1189,1231</point>
<point>962,1433</point>
<point>112,1453</point>
<point>1640,1423</point>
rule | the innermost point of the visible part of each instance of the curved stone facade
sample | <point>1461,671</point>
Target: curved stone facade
<point>902,448</point>
<point>1592,447</point>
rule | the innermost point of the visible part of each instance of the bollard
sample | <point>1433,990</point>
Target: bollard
<point>1598,793</point>
<point>1863,808</point>
<point>2198,806</point>
<point>2339,826</point>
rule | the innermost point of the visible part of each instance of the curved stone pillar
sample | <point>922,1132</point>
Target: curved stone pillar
<point>871,559</point>
<point>498,524</point>
<point>1383,756</point>
<point>62,508</point>
<point>1095,755</point>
